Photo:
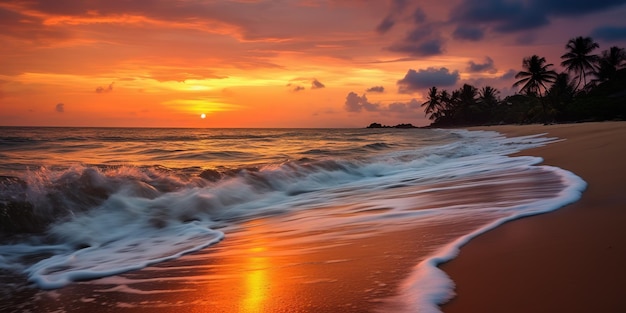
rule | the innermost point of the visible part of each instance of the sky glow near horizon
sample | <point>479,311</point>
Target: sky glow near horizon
<point>248,63</point>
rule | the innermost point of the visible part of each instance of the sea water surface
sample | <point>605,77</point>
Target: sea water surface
<point>97,207</point>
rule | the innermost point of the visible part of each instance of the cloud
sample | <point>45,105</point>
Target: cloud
<point>404,107</point>
<point>101,89</point>
<point>609,33</point>
<point>521,23</point>
<point>488,66</point>
<point>419,16</point>
<point>426,48</point>
<point>421,33</point>
<point>397,7</point>
<point>507,16</point>
<point>410,109</point>
<point>508,75</point>
<point>316,84</point>
<point>244,20</point>
<point>356,103</point>
<point>423,39</point>
<point>385,25</point>
<point>60,107</point>
<point>526,38</point>
<point>574,7</point>
<point>414,81</point>
<point>375,89</point>
<point>503,16</point>
<point>177,74</point>
<point>28,27</point>
<point>468,33</point>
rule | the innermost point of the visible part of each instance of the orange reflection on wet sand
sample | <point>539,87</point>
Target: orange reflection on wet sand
<point>257,281</point>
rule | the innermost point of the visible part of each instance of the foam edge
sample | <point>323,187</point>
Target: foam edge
<point>428,287</point>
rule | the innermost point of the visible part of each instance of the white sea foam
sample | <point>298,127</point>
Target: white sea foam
<point>428,286</point>
<point>125,252</point>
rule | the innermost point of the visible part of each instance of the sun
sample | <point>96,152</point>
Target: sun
<point>202,116</point>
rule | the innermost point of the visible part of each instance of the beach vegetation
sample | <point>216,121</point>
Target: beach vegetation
<point>432,104</point>
<point>535,76</point>
<point>608,64</point>
<point>579,59</point>
<point>591,87</point>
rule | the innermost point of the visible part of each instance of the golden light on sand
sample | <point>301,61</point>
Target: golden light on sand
<point>256,284</point>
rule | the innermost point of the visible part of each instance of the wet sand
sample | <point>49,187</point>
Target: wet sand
<point>570,260</point>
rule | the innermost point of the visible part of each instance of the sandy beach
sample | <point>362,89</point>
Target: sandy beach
<point>570,260</point>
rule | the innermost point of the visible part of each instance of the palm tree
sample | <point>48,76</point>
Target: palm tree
<point>579,58</point>
<point>561,94</point>
<point>562,87</point>
<point>445,98</point>
<point>432,104</point>
<point>465,108</point>
<point>608,64</point>
<point>468,95</point>
<point>488,96</point>
<point>446,105</point>
<point>535,76</point>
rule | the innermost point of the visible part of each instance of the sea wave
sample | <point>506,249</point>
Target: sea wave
<point>95,221</point>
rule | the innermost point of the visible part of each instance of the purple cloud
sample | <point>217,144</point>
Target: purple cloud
<point>425,48</point>
<point>610,33</point>
<point>506,16</point>
<point>404,107</point>
<point>397,7</point>
<point>468,33</point>
<point>488,66</point>
<point>356,103</point>
<point>415,81</point>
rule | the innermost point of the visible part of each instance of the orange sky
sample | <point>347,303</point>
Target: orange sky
<point>285,63</point>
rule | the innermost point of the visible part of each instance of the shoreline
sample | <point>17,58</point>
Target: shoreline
<point>570,260</point>
<point>248,273</point>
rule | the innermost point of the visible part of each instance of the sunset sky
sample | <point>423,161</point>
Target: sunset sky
<point>284,63</point>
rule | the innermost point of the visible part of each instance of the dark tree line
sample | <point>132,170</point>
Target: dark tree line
<point>592,87</point>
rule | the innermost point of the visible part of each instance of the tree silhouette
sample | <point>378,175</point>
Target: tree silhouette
<point>608,64</point>
<point>446,102</point>
<point>579,58</point>
<point>535,76</point>
<point>488,96</point>
<point>543,94</point>
<point>432,104</point>
<point>468,95</point>
<point>562,92</point>
<point>466,109</point>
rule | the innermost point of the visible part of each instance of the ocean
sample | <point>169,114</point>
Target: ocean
<point>152,219</point>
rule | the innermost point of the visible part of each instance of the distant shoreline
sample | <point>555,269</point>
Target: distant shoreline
<point>378,125</point>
